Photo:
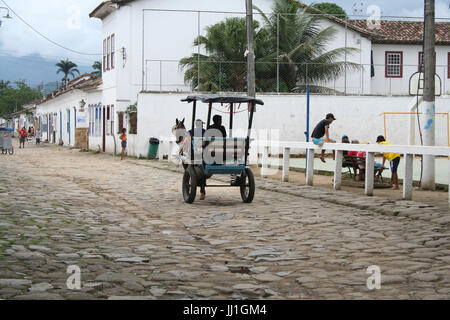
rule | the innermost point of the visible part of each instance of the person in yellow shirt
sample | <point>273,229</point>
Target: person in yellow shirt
<point>394,160</point>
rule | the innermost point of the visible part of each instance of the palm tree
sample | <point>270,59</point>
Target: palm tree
<point>67,68</point>
<point>97,66</point>
<point>224,67</point>
<point>302,52</point>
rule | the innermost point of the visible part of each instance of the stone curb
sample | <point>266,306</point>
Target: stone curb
<point>383,206</point>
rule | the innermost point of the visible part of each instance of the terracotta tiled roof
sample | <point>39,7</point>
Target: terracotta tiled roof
<point>407,32</point>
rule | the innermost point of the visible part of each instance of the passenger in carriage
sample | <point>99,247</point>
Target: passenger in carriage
<point>217,125</point>
<point>197,129</point>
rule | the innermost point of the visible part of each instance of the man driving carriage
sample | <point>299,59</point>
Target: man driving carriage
<point>202,150</point>
<point>217,125</point>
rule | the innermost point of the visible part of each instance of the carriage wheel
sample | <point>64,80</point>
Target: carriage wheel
<point>189,185</point>
<point>4,151</point>
<point>11,151</point>
<point>247,186</point>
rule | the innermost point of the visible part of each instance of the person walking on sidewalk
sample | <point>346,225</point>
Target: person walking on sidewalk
<point>394,160</point>
<point>123,139</point>
<point>322,129</point>
<point>22,137</point>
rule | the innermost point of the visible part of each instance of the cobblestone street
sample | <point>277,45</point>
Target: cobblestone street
<point>126,226</point>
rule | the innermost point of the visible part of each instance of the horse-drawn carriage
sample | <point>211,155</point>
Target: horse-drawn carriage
<point>205,153</point>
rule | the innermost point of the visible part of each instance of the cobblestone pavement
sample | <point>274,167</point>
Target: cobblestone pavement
<point>127,228</point>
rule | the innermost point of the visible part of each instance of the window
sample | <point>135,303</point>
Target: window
<point>133,123</point>
<point>120,120</point>
<point>421,66</point>
<point>394,64</point>
<point>108,54</point>
<point>108,121</point>
<point>113,47</point>
<point>104,55</point>
<point>448,66</point>
<point>99,124</point>
<point>112,120</point>
<point>91,119</point>
<point>96,122</point>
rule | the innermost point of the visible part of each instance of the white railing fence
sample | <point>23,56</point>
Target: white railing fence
<point>285,147</point>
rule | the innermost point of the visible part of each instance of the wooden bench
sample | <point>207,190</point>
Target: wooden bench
<point>359,164</point>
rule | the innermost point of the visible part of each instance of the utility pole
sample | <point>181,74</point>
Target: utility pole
<point>428,179</point>
<point>251,91</point>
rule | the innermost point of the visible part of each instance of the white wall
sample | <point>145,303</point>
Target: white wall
<point>383,85</point>
<point>60,106</point>
<point>359,117</point>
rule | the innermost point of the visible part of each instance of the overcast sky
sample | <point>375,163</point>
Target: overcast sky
<point>67,22</point>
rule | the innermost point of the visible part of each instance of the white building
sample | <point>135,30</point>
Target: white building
<point>144,40</point>
<point>63,116</point>
<point>396,47</point>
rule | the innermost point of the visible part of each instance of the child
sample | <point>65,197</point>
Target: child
<point>321,130</point>
<point>394,160</point>
<point>123,138</point>
<point>38,138</point>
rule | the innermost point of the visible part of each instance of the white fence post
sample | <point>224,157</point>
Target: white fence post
<point>310,167</point>
<point>253,154</point>
<point>161,150</point>
<point>286,160</point>
<point>369,173</point>
<point>169,155</point>
<point>408,179</point>
<point>265,162</point>
<point>338,170</point>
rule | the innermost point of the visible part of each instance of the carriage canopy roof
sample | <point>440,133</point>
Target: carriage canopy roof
<point>219,98</point>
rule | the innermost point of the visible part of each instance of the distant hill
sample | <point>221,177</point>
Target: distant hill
<point>34,70</point>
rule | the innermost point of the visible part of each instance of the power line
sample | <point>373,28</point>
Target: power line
<point>19,54</point>
<point>43,61</point>
<point>37,60</point>
<point>45,37</point>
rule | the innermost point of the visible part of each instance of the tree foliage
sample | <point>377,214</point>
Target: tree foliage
<point>330,8</point>
<point>13,98</point>
<point>67,68</point>
<point>97,66</point>
<point>290,43</point>
<point>224,67</point>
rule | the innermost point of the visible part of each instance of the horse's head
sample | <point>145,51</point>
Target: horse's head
<point>179,130</point>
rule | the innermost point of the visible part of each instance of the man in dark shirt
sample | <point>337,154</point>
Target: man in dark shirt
<point>217,125</point>
<point>322,129</point>
<point>217,130</point>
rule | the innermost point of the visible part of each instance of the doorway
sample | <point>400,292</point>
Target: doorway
<point>104,130</point>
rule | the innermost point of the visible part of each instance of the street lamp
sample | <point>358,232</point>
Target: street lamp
<point>7,13</point>
<point>82,104</point>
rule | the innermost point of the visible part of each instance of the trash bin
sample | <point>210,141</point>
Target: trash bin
<point>153,148</point>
